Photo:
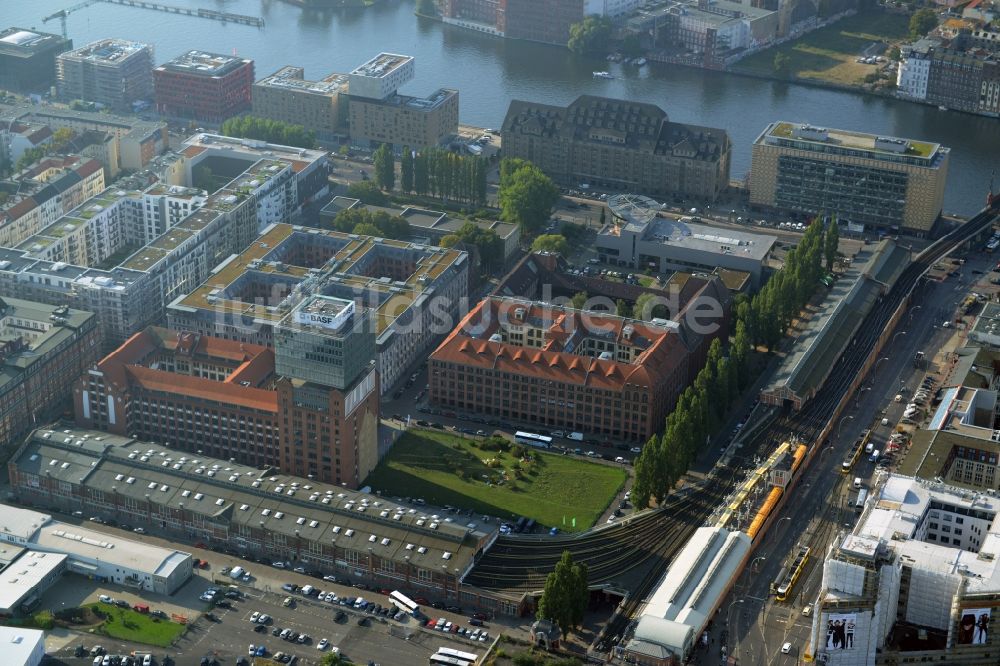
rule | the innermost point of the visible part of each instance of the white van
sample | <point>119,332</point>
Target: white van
<point>869,447</point>
<point>857,482</point>
<point>575,436</point>
<point>236,572</point>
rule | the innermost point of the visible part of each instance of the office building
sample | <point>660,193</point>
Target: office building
<point>881,181</point>
<point>28,59</point>
<point>562,368</point>
<point>204,86</point>
<point>43,349</point>
<point>257,512</point>
<point>377,113</point>
<point>319,106</point>
<point>414,292</point>
<point>638,237</point>
<point>99,555</point>
<point>618,145</point>
<point>112,72</point>
<point>916,580</point>
<point>47,190</point>
<point>139,142</point>
<point>262,183</point>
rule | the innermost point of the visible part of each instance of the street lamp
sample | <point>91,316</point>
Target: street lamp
<point>728,612</point>
<point>841,425</point>
<point>774,528</point>
<point>893,341</point>
<point>875,369</point>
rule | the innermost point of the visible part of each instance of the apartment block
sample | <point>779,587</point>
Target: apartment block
<point>965,80</point>
<point>204,86</point>
<point>914,70</point>
<point>263,183</point>
<point>287,96</point>
<point>139,142</point>
<point>28,58</point>
<point>546,21</point>
<point>112,72</point>
<point>562,368</point>
<point>48,189</point>
<point>16,137</point>
<point>414,292</point>
<point>880,181</point>
<point>43,349</point>
<point>619,145</point>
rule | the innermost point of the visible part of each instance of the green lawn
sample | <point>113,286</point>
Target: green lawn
<point>130,625</point>
<point>829,54</point>
<point>443,468</point>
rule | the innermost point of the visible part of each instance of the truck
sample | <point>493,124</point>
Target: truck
<point>575,436</point>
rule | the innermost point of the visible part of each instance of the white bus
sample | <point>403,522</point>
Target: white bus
<point>445,660</point>
<point>404,603</point>
<point>459,656</point>
<point>531,439</point>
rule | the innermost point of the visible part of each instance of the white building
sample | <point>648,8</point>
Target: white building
<point>22,647</point>
<point>610,8</point>
<point>918,579</point>
<point>95,554</point>
<point>25,580</point>
<point>914,70</point>
<point>381,76</point>
<point>688,596</point>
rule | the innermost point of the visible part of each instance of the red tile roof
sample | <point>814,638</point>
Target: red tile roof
<point>653,366</point>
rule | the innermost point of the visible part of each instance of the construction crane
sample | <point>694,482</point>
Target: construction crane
<point>63,13</point>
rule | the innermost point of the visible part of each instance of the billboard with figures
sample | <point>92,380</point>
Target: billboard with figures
<point>840,631</point>
<point>974,626</point>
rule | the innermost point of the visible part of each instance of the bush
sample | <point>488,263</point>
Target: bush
<point>44,620</point>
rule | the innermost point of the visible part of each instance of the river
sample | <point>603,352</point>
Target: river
<point>489,72</point>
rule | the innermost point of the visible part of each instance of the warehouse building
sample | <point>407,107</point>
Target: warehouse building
<point>24,581</point>
<point>257,512</point>
<point>882,181</point>
<point>22,647</point>
<point>616,144</point>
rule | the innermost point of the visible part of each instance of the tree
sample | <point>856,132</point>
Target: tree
<point>922,22</point>
<point>604,216</point>
<point>622,308</point>
<point>565,596</point>
<point>579,300</point>
<point>367,223</point>
<point>591,35</point>
<point>526,197</point>
<point>367,192</point>
<point>426,8</point>
<point>551,243</point>
<point>272,131</point>
<point>893,53</point>
<point>334,659</point>
<point>486,241</point>
<point>385,167</point>
<point>61,138</point>
<point>406,170</point>
<point>782,64</point>
<point>831,242</point>
<point>647,308</point>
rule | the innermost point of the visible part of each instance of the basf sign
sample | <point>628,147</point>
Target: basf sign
<point>326,312</point>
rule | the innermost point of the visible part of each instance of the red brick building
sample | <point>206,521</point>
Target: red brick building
<point>203,86</point>
<point>223,398</point>
<point>562,368</point>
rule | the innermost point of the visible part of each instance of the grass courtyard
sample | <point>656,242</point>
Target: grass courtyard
<point>443,468</point>
<point>130,625</point>
<point>829,54</point>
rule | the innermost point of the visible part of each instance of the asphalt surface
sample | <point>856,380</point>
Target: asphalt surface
<point>751,623</point>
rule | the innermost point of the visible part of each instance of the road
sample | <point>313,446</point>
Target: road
<point>757,625</point>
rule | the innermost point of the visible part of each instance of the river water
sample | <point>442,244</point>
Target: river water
<point>489,72</point>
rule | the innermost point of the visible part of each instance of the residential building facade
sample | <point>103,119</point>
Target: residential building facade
<point>967,80</point>
<point>28,58</point>
<point>546,21</point>
<point>112,72</point>
<point>43,349</point>
<point>914,70</point>
<point>885,182</point>
<point>619,145</point>
<point>204,86</point>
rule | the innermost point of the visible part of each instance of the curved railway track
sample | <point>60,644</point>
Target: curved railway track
<point>653,539</point>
